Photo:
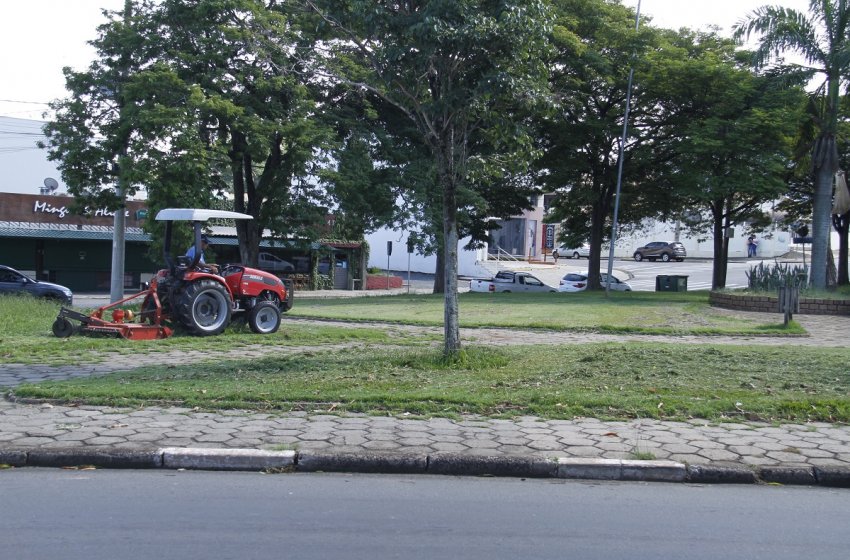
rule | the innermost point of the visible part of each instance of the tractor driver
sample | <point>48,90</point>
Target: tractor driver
<point>190,254</point>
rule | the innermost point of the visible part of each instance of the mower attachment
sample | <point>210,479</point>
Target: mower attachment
<point>94,323</point>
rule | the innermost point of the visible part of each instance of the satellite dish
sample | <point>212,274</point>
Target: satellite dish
<point>51,184</point>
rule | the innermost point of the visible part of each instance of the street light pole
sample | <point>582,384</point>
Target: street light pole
<point>620,168</point>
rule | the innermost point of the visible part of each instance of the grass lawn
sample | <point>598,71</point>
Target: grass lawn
<point>25,337</point>
<point>395,372</point>
<point>604,380</point>
<point>631,312</point>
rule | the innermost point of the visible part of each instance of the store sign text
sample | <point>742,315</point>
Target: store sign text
<point>62,211</point>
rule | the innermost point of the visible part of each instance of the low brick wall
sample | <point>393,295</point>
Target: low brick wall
<point>770,304</point>
<point>380,282</point>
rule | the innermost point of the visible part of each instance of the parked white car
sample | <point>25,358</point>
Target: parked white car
<point>267,261</point>
<point>577,282</point>
<point>571,253</point>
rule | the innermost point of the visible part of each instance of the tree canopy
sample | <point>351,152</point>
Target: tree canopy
<point>736,143</point>
<point>198,100</point>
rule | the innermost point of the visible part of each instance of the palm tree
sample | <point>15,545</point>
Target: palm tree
<point>821,38</point>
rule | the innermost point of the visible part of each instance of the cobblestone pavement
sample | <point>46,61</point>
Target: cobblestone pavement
<point>47,426</point>
<point>27,426</point>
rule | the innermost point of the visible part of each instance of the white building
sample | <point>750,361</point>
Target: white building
<point>528,237</point>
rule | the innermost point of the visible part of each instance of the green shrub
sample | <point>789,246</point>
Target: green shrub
<point>769,278</point>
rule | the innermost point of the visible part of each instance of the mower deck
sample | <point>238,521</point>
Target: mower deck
<point>95,324</point>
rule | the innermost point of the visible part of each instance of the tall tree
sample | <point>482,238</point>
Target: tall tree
<point>736,141</point>
<point>796,205</point>
<point>454,69</point>
<point>246,59</point>
<point>822,38</point>
<point>217,103</point>
<point>596,45</point>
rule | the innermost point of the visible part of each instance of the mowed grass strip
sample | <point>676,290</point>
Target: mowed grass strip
<point>612,380</point>
<point>632,312</point>
<point>26,337</point>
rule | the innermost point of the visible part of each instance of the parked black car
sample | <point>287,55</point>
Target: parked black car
<point>661,250</point>
<point>14,282</point>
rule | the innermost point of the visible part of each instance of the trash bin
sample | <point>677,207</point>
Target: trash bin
<point>674,283</point>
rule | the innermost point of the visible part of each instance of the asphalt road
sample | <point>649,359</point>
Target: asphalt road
<point>96,515</point>
<point>642,274</point>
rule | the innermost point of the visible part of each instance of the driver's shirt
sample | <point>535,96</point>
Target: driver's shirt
<point>191,254</point>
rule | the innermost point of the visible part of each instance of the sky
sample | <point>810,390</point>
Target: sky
<point>39,37</point>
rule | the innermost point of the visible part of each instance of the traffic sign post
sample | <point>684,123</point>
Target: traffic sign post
<point>803,238</point>
<point>409,252</point>
<point>389,253</point>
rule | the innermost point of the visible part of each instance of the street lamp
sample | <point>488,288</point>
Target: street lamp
<point>620,168</point>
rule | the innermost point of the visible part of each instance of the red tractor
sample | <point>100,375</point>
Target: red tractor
<point>199,297</point>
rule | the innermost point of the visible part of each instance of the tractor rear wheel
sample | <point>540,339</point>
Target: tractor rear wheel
<point>204,307</point>
<point>264,318</point>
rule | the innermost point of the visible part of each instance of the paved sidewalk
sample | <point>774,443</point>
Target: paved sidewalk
<point>809,453</point>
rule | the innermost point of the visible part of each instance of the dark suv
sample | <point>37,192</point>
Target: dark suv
<point>661,250</point>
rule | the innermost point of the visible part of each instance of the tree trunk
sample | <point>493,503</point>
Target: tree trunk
<point>246,230</point>
<point>451,318</point>
<point>718,269</point>
<point>721,247</point>
<point>821,215</point>
<point>440,273</point>
<point>594,259</point>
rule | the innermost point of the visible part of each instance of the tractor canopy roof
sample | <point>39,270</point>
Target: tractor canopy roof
<point>198,215</point>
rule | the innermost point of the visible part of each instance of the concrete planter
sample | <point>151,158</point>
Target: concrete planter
<point>770,303</point>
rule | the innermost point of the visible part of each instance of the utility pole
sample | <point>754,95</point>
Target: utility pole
<point>116,285</point>
<point>620,167</point>
<point>116,291</point>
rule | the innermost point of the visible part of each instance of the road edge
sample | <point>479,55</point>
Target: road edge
<point>222,459</point>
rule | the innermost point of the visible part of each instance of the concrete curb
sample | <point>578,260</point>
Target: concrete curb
<point>476,465</point>
<point>721,474</point>
<point>440,464</point>
<point>621,469</point>
<point>362,463</point>
<point>226,459</point>
<point>104,458</point>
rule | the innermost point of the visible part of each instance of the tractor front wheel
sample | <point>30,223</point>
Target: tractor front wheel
<point>204,307</point>
<point>264,318</point>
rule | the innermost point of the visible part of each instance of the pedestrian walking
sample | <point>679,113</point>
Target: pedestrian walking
<point>752,246</point>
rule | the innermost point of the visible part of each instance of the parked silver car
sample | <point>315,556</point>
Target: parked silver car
<point>571,253</point>
<point>272,263</point>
